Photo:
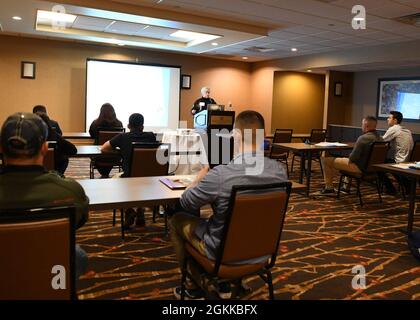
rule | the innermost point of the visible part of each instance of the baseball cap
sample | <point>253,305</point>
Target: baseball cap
<point>23,134</point>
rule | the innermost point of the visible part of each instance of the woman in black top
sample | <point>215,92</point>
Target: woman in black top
<point>201,103</point>
<point>107,120</point>
<point>63,149</point>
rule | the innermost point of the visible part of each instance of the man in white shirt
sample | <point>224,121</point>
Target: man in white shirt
<point>400,138</point>
<point>401,143</point>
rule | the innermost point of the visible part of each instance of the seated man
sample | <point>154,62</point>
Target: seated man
<point>401,143</point>
<point>357,158</point>
<point>53,123</point>
<point>214,187</point>
<point>24,183</point>
<point>123,142</point>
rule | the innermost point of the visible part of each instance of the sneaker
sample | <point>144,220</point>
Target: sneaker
<point>190,294</point>
<point>223,290</point>
<point>130,216</point>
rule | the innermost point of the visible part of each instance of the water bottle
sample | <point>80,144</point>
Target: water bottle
<point>230,108</point>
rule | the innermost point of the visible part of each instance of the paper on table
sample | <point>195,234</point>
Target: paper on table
<point>331,144</point>
<point>403,165</point>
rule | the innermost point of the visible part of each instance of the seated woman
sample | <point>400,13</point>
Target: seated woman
<point>107,120</point>
<point>64,148</point>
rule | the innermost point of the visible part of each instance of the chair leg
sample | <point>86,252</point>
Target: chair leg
<point>114,214</point>
<point>378,188</point>
<point>122,224</point>
<point>339,186</point>
<point>155,211</point>
<point>183,278</point>
<point>293,161</point>
<point>359,193</point>
<point>270,285</point>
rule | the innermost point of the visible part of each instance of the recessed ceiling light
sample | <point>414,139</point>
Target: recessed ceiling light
<point>159,1</point>
<point>309,70</point>
<point>294,49</point>
<point>245,58</point>
<point>121,44</point>
<point>17,18</point>
<point>56,16</point>
<point>214,44</point>
<point>194,38</point>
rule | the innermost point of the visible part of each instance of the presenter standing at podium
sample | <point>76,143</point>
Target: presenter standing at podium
<point>201,103</point>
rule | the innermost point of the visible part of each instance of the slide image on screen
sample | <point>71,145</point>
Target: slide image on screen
<point>131,88</point>
<point>400,95</point>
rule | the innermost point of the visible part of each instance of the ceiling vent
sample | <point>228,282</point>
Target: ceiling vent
<point>259,49</point>
<point>412,19</point>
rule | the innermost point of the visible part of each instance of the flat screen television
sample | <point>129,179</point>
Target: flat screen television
<point>399,94</point>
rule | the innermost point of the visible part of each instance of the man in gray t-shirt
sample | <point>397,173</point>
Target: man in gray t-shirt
<point>214,187</point>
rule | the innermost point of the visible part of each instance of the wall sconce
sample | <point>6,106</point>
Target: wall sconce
<point>186,81</point>
<point>27,70</point>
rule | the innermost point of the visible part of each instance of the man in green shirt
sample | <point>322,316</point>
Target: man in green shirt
<point>24,183</point>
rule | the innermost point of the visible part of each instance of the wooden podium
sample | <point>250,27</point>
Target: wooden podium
<point>215,128</point>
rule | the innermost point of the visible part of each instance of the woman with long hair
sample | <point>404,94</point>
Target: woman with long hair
<point>107,120</point>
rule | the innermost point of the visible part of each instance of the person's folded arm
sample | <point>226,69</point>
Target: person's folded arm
<point>107,147</point>
<point>390,134</point>
<point>204,192</point>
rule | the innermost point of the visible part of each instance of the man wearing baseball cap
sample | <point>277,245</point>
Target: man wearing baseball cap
<point>24,183</point>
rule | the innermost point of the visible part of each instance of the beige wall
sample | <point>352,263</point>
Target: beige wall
<point>365,95</point>
<point>61,71</point>
<point>298,101</point>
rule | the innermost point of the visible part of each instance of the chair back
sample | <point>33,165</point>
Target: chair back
<point>148,159</point>
<point>49,159</point>
<point>318,135</point>
<point>38,253</point>
<point>250,232</point>
<point>105,134</point>
<point>281,136</point>
<point>377,155</point>
<point>415,153</point>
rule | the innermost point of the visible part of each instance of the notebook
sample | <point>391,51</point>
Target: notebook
<point>176,183</point>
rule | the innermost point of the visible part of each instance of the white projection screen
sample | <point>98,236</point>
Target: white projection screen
<point>152,90</point>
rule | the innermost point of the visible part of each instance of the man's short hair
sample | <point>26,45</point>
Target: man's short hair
<point>136,120</point>
<point>371,119</point>
<point>22,135</point>
<point>397,115</point>
<point>39,109</point>
<point>249,120</point>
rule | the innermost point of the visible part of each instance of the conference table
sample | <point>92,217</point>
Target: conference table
<point>124,193</point>
<point>413,175</point>
<point>76,135</point>
<point>306,150</point>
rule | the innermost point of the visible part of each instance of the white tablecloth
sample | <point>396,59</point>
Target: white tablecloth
<point>185,141</point>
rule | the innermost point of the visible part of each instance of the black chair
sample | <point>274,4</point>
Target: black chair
<point>105,134</point>
<point>377,155</point>
<point>317,135</point>
<point>32,242</point>
<point>243,239</point>
<point>278,153</point>
<point>145,162</point>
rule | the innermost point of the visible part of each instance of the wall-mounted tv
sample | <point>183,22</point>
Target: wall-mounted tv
<point>399,94</point>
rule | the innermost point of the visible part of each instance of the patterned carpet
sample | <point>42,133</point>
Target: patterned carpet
<point>322,240</point>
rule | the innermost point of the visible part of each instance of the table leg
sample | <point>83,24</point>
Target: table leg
<point>413,183</point>
<point>308,176</point>
<point>302,167</point>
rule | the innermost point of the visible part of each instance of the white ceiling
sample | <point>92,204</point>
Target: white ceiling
<point>310,26</point>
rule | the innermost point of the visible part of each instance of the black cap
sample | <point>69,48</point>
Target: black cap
<point>23,134</point>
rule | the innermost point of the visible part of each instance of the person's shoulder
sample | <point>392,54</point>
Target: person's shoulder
<point>67,183</point>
